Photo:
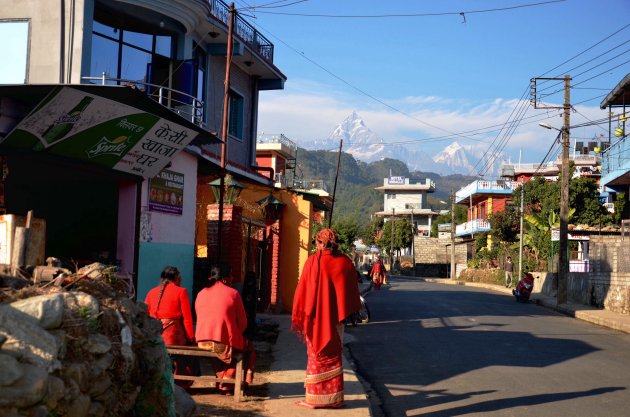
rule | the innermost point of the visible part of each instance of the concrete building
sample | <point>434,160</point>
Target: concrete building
<point>482,198</point>
<point>404,198</point>
<point>110,118</point>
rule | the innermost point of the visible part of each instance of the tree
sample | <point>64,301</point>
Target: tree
<point>347,231</point>
<point>505,224</point>
<point>584,193</point>
<point>401,238</point>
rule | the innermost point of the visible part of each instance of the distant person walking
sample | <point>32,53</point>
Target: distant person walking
<point>378,273</point>
<point>509,271</point>
<point>327,293</point>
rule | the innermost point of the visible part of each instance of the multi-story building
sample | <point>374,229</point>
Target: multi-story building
<point>404,198</point>
<point>482,198</point>
<point>616,159</point>
<point>100,98</point>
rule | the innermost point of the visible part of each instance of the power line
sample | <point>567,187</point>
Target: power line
<point>460,13</point>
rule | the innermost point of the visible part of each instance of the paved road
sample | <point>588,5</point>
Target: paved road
<point>443,350</point>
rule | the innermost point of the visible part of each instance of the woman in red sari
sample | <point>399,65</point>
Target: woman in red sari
<point>378,273</point>
<point>169,303</point>
<point>326,294</point>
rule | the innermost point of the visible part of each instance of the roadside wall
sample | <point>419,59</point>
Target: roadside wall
<point>606,286</point>
<point>433,256</point>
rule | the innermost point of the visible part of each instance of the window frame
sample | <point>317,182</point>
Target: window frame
<point>236,127</point>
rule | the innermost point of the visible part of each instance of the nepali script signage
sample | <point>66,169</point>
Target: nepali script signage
<point>79,125</point>
<point>396,181</point>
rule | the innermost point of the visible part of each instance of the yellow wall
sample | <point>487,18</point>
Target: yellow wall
<point>295,241</point>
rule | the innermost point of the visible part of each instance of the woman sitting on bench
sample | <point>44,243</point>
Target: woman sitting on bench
<point>221,321</point>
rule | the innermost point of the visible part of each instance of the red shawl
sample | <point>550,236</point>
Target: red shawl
<point>327,293</point>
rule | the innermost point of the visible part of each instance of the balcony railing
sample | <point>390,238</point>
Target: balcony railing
<point>475,226</point>
<point>615,161</point>
<point>243,29</point>
<point>178,102</point>
<point>310,185</point>
<point>486,187</point>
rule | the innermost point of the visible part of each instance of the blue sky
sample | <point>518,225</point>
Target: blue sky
<point>421,77</point>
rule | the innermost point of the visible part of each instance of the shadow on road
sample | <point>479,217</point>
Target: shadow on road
<point>419,345</point>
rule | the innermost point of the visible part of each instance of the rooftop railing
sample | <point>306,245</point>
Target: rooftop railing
<point>273,138</point>
<point>310,185</point>
<point>243,29</point>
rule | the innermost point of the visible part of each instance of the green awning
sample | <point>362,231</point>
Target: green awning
<point>114,127</point>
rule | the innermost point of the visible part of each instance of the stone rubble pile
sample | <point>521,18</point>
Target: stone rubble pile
<point>82,348</point>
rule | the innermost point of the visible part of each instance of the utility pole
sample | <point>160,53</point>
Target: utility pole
<point>520,245</point>
<point>453,274</point>
<point>563,261</point>
<point>224,128</point>
<point>413,243</point>
<point>563,267</point>
<point>391,248</point>
<point>332,207</point>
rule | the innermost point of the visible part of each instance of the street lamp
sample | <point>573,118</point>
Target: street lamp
<point>563,262</point>
<point>234,189</point>
<point>272,206</point>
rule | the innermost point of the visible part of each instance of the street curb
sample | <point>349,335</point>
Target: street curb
<point>604,318</point>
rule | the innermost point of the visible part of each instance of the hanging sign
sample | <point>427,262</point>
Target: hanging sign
<point>78,125</point>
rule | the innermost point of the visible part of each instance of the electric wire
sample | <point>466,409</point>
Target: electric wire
<point>499,9</point>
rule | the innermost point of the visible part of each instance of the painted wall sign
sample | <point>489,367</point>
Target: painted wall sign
<point>166,192</point>
<point>79,125</point>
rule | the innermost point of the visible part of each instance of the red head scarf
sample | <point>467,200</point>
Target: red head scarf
<point>327,237</point>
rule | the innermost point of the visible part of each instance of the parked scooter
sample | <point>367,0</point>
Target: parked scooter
<point>524,288</point>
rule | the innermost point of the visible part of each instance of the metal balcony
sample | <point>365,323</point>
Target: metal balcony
<point>486,187</point>
<point>246,32</point>
<point>475,226</point>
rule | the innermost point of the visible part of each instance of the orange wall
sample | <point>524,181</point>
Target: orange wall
<point>294,247</point>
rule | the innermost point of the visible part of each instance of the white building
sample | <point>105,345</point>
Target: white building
<point>402,198</point>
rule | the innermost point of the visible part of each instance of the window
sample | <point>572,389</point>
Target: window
<point>391,196</point>
<point>127,54</point>
<point>15,51</point>
<point>235,115</point>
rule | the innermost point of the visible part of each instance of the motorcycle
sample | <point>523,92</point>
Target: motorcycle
<point>524,288</point>
<point>361,316</point>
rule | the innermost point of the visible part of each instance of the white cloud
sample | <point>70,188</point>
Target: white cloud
<point>306,110</point>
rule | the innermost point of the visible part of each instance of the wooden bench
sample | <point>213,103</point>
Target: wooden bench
<point>206,355</point>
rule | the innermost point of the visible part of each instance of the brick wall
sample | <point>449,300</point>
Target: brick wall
<point>231,237</point>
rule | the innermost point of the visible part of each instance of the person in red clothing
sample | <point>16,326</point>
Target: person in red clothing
<point>327,293</point>
<point>221,321</point>
<point>378,273</point>
<point>169,303</point>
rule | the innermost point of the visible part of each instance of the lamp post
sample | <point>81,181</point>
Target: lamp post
<point>563,263</point>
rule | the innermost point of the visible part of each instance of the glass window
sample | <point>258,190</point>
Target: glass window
<point>235,115</point>
<point>15,51</point>
<point>163,46</point>
<point>135,64</point>
<point>104,57</point>
<point>106,30</point>
<point>141,40</point>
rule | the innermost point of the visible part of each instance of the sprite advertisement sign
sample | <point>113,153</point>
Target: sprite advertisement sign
<point>79,125</point>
